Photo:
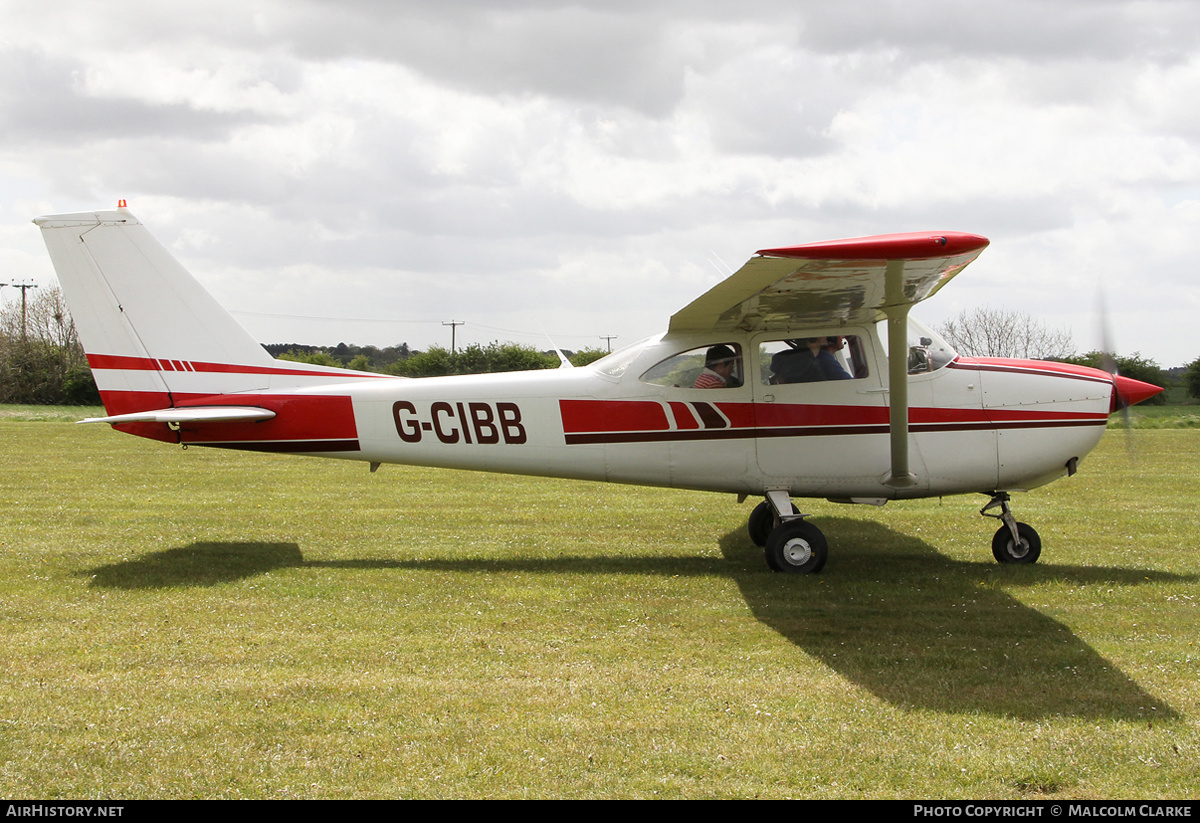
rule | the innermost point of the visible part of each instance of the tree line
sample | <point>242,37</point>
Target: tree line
<point>988,332</point>
<point>435,361</point>
<point>42,362</point>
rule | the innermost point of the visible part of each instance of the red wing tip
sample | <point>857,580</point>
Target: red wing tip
<point>909,246</point>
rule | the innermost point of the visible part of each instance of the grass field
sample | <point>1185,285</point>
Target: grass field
<point>1159,417</point>
<point>208,624</point>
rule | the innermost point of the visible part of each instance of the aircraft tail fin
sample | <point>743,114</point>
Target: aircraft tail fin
<point>153,336</point>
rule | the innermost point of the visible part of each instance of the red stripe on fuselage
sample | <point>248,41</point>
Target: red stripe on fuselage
<point>318,420</point>
<point>120,362</point>
<point>612,415</point>
<point>289,446</point>
<point>126,402</point>
<point>684,419</point>
<point>601,421</point>
<point>1042,367</point>
<point>297,417</point>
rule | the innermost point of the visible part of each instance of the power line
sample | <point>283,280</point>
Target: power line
<point>326,318</point>
<point>399,322</point>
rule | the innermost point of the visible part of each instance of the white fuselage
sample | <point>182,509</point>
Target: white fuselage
<point>974,425</point>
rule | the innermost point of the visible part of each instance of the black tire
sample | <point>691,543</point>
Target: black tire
<point>761,521</point>
<point>1005,551</point>
<point>797,547</point>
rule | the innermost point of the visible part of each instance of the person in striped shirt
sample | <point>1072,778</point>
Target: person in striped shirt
<point>720,363</point>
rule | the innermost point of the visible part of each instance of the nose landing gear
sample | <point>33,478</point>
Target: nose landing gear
<point>1013,542</point>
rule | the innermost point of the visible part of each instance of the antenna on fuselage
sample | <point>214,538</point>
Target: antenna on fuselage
<point>563,362</point>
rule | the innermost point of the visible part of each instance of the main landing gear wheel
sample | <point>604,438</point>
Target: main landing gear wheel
<point>1007,550</point>
<point>762,521</point>
<point>796,547</point>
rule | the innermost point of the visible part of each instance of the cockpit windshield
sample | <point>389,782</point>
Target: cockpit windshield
<point>927,350</point>
<point>615,364</point>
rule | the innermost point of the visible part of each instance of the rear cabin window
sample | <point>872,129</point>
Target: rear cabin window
<point>717,366</point>
<point>812,359</point>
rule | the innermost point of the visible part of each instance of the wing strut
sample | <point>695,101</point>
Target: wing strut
<point>896,308</point>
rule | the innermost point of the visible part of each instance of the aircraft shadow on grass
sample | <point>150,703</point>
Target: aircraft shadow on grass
<point>920,630</point>
<point>200,564</point>
<point>905,623</point>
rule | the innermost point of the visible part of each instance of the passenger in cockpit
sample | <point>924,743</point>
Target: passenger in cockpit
<point>807,361</point>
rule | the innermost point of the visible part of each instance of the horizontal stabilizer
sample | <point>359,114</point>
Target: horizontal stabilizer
<point>191,414</point>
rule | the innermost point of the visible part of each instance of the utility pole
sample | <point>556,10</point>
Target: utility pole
<point>24,287</point>
<point>609,338</point>
<point>453,324</point>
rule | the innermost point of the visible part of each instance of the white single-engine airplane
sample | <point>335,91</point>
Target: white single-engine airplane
<point>800,375</point>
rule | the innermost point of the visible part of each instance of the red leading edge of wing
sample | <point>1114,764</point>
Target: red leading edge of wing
<point>910,246</point>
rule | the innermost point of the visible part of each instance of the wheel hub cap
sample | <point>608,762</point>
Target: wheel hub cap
<point>797,551</point>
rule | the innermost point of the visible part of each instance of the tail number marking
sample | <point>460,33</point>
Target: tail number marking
<point>483,423</point>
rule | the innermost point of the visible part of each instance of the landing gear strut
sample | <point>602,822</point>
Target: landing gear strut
<point>1013,542</point>
<point>792,544</point>
<point>762,521</point>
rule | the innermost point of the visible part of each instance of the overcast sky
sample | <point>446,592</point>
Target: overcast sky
<point>363,171</point>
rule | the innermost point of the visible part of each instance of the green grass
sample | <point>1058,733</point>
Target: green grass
<point>15,412</point>
<point>208,624</point>
<point>1184,416</point>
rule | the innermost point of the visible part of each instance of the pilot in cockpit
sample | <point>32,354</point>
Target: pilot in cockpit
<point>720,369</point>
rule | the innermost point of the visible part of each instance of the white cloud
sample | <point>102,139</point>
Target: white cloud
<point>575,166</point>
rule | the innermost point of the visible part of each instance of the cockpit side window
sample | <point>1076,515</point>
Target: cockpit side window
<point>812,359</point>
<point>927,351</point>
<point>715,366</point>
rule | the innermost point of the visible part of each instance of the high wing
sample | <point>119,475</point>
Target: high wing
<point>859,281</point>
<point>826,284</point>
